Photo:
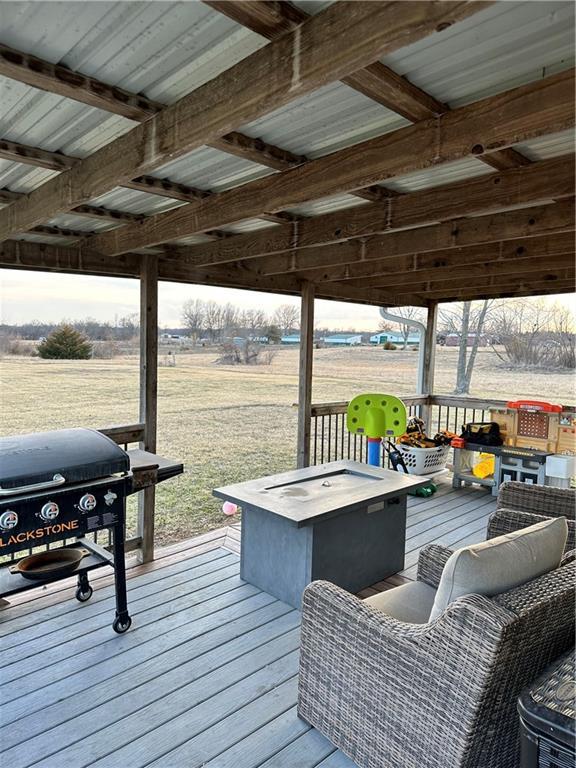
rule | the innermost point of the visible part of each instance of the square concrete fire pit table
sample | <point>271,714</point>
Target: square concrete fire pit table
<point>343,521</point>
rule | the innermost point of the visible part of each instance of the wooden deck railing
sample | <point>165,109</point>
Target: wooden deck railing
<point>330,440</point>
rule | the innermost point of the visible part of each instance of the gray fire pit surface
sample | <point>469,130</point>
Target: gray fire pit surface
<point>343,521</point>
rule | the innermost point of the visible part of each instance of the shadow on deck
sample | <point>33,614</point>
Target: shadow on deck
<point>207,675</point>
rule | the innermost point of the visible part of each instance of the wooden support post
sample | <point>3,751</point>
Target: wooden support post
<point>148,394</point>
<point>305,374</point>
<point>429,362</point>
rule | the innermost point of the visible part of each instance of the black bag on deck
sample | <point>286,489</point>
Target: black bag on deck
<point>482,433</point>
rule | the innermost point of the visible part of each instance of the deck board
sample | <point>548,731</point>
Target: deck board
<point>207,676</point>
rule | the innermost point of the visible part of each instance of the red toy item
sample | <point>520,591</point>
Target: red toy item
<point>534,405</point>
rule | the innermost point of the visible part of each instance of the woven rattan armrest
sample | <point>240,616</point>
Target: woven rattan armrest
<point>538,499</point>
<point>431,562</point>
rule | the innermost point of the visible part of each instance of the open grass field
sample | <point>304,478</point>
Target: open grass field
<point>230,423</point>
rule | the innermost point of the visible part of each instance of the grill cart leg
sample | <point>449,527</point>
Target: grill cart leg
<point>122,621</point>
<point>83,591</point>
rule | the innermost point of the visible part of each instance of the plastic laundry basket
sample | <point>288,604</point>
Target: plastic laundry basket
<point>424,461</point>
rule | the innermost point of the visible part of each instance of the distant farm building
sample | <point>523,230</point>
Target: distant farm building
<point>291,339</point>
<point>343,340</point>
<point>394,338</point>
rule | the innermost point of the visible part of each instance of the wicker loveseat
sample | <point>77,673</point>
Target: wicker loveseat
<point>520,505</point>
<point>435,695</point>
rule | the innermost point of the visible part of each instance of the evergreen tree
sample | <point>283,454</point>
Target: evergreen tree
<point>65,343</point>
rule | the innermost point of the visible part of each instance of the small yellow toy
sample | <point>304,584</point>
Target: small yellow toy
<point>485,467</point>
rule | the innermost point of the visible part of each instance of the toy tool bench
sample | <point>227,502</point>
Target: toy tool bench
<point>538,439</point>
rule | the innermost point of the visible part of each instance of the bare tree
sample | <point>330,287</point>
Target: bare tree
<point>534,333</point>
<point>254,319</point>
<point>193,313</point>
<point>466,320</point>
<point>409,313</point>
<point>230,318</point>
<point>287,318</point>
<point>213,319</point>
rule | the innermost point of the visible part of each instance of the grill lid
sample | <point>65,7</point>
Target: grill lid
<point>76,455</point>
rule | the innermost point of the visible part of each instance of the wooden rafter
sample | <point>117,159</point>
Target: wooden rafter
<point>58,79</point>
<point>40,158</point>
<point>149,184</point>
<point>377,81</point>
<point>542,181</point>
<point>98,212</point>
<point>289,67</point>
<point>62,232</point>
<point>366,257</point>
<point>438,290</point>
<point>526,112</point>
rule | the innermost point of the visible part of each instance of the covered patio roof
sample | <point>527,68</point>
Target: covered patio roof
<point>404,153</point>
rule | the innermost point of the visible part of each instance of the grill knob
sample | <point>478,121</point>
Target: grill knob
<point>8,520</point>
<point>49,511</point>
<point>87,503</point>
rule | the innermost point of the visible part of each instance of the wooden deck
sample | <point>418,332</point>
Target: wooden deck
<point>206,676</point>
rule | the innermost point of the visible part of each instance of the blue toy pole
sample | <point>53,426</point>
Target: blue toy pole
<point>374,451</point>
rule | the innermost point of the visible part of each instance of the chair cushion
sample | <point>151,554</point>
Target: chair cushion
<point>411,602</point>
<point>502,563</point>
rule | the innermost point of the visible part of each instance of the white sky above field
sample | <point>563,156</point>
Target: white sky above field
<point>27,296</point>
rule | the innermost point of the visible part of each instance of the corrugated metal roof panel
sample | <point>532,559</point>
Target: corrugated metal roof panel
<point>549,146</point>
<point>248,225</point>
<point>81,223</point>
<point>52,122</point>
<point>504,46</point>
<point>329,119</point>
<point>161,49</point>
<point>438,175</point>
<point>192,240</point>
<point>132,201</point>
<point>22,178</point>
<point>212,170</point>
<point>327,205</point>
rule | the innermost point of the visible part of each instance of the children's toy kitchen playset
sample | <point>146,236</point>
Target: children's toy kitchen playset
<point>530,441</point>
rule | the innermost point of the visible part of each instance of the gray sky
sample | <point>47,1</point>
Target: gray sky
<point>26,296</point>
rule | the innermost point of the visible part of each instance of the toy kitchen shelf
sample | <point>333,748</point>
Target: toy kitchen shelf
<point>524,464</point>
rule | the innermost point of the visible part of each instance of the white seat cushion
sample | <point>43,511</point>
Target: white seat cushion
<point>411,602</point>
<point>502,563</point>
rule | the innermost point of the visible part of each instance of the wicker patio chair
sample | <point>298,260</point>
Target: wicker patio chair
<point>520,505</point>
<point>436,695</point>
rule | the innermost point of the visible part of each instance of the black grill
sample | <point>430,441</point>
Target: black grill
<point>62,485</point>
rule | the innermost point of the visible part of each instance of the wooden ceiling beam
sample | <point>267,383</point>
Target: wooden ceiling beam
<point>540,182</point>
<point>21,254</point>
<point>502,292</point>
<point>556,281</point>
<point>473,265</point>
<point>58,79</point>
<point>7,196</point>
<point>377,81</point>
<point>366,257</point>
<point>341,39</point>
<point>545,106</point>
<point>86,211</point>
<point>149,184</point>
<point>40,158</point>
<point>61,232</point>
<point>257,151</point>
